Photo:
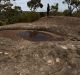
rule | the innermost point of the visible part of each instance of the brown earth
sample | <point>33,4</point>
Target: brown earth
<point>19,56</point>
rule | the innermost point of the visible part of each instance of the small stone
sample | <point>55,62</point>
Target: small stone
<point>36,55</point>
<point>22,47</point>
<point>1,52</point>
<point>6,53</point>
<point>44,57</point>
<point>64,47</point>
<point>69,67</point>
<point>20,74</point>
<point>1,43</point>
<point>72,47</point>
<point>50,62</point>
<point>58,60</point>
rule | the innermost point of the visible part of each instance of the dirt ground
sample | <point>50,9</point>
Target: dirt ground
<point>59,56</point>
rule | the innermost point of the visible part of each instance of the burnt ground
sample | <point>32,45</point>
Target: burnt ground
<point>58,55</point>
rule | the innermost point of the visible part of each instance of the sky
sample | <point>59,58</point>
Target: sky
<point>23,4</point>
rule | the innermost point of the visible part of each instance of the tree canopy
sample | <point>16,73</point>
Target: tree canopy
<point>72,4</point>
<point>54,8</point>
<point>34,4</point>
<point>5,4</point>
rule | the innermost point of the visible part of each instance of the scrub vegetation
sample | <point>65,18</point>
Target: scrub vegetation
<point>9,15</point>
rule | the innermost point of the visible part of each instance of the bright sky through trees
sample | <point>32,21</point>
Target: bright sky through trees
<point>23,4</point>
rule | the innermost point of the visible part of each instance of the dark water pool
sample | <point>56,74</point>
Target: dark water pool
<point>35,36</point>
<point>31,35</point>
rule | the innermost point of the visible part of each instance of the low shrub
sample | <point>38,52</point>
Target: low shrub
<point>56,13</point>
<point>2,23</point>
<point>13,19</point>
<point>29,17</point>
<point>76,14</point>
<point>66,13</point>
<point>42,14</point>
<point>13,16</point>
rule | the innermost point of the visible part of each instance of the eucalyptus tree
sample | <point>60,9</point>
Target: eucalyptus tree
<point>34,4</point>
<point>72,5</point>
<point>5,5</point>
<point>54,8</point>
